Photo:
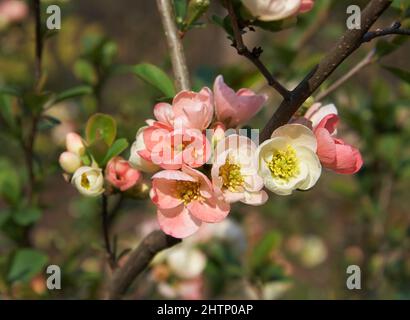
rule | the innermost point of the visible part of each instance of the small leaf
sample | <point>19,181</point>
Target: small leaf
<point>85,71</point>
<point>7,111</point>
<point>101,126</point>
<point>264,248</point>
<point>4,216</point>
<point>10,91</point>
<point>10,187</point>
<point>118,146</point>
<point>26,216</point>
<point>26,264</point>
<point>153,76</point>
<point>98,149</point>
<point>401,74</point>
<point>73,93</point>
<point>48,122</point>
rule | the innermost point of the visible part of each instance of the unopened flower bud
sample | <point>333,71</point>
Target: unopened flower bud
<point>69,161</point>
<point>74,143</point>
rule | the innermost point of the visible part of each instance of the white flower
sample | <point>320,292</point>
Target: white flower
<point>235,171</point>
<point>89,181</point>
<point>270,10</point>
<point>288,160</point>
<point>69,161</point>
<point>136,161</point>
<point>186,262</point>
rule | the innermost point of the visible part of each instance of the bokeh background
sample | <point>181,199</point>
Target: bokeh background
<point>295,247</point>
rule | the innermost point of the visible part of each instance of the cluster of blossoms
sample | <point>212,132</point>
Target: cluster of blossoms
<point>88,177</point>
<point>197,175</point>
<point>201,163</point>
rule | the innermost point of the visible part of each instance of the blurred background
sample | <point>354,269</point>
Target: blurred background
<point>295,247</point>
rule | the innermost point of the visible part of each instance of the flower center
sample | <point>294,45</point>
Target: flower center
<point>284,164</point>
<point>85,183</point>
<point>188,191</point>
<point>231,176</point>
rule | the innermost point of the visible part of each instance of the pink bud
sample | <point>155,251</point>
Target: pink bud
<point>69,161</point>
<point>74,143</point>
<point>120,174</point>
<point>13,10</point>
<point>235,108</point>
<point>306,6</point>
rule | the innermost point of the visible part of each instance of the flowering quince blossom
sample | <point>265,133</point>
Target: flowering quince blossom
<point>70,160</point>
<point>333,153</point>
<point>120,174</point>
<point>288,160</point>
<point>170,147</point>
<point>270,10</point>
<point>189,109</point>
<point>185,199</point>
<point>89,181</point>
<point>12,11</point>
<point>135,159</point>
<point>235,108</point>
<point>235,171</point>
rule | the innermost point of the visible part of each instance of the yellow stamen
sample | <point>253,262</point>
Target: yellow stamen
<point>284,164</point>
<point>231,176</point>
<point>85,183</point>
<point>188,191</point>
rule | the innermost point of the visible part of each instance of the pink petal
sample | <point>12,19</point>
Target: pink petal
<point>349,159</point>
<point>329,122</point>
<point>326,149</point>
<point>164,113</point>
<point>163,194</point>
<point>306,6</point>
<point>235,108</point>
<point>177,222</point>
<point>211,210</point>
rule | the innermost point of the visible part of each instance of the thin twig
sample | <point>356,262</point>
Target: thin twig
<point>366,61</point>
<point>105,228</point>
<point>393,30</point>
<point>176,49</point>
<point>348,43</point>
<point>138,261</point>
<point>253,55</point>
<point>39,40</point>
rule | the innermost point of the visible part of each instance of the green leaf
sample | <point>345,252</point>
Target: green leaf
<point>48,122</point>
<point>264,248</point>
<point>101,126</point>
<point>10,91</point>
<point>154,76</point>
<point>26,216</point>
<point>85,71</point>
<point>4,216</point>
<point>118,146</point>
<point>7,111</point>
<point>10,188</point>
<point>73,93</point>
<point>26,264</point>
<point>401,74</point>
<point>98,149</point>
<point>36,102</point>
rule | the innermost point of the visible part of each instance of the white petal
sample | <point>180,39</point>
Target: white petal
<point>298,134</point>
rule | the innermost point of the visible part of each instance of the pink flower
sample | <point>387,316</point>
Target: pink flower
<point>13,10</point>
<point>185,199</point>
<point>334,153</point>
<point>120,174</point>
<point>189,109</point>
<point>306,6</point>
<point>235,108</point>
<point>170,147</point>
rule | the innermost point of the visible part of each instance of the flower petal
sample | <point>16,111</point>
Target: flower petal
<point>177,222</point>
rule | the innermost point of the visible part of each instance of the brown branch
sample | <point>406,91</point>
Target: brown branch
<point>112,261</point>
<point>138,261</point>
<point>176,49</point>
<point>393,30</point>
<point>39,40</point>
<point>348,43</point>
<point>253,55</point>
<point>366,61</point>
